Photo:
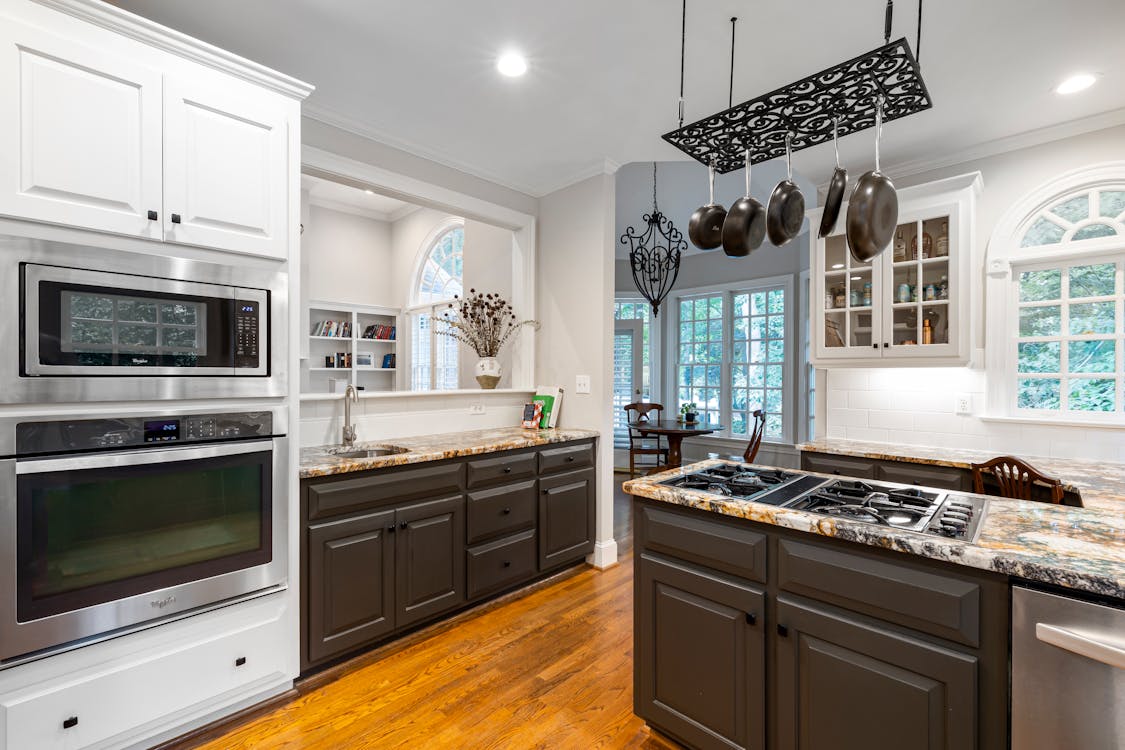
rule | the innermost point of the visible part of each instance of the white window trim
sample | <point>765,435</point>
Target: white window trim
<point>1006,259</point>
<point>434,308</point>
<point>654,339</point>
<point>788,391</point>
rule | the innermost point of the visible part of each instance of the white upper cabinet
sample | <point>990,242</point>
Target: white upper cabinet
<point>81,135</point>
<point>225,165</point>
<point>121,126</point>
<point>911,305</point>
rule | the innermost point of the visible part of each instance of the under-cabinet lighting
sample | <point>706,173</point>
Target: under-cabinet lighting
<point>1076,83</point>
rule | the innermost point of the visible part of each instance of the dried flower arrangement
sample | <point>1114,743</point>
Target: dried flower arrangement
<point>483,322</point>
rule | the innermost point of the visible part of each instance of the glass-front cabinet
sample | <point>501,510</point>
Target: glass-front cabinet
<point>910,304</point>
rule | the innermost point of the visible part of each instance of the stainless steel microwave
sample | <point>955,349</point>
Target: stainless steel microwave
<point>95,324</point>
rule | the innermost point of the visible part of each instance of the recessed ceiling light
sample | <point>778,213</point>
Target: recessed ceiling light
<point>837,265</point>
<point>369,192</point>
<point>1076,83</point>
<point>512,64</point>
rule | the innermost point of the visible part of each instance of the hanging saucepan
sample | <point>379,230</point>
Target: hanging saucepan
<point>786,210</point>
<point>745,225</point>
<point>836,187</point>
<point>873,209</point>
<point>706,226</point>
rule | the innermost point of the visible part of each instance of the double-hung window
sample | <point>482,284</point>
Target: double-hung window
<point>433,357</point>
<point>733,357</point>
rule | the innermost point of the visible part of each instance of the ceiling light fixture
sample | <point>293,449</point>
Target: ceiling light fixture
<point>369,192</point>
<point>512,64</point>
<point>1076,83</point>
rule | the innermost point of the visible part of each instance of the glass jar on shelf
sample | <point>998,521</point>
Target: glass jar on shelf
<point>943,288</point>
<point>942,248</point>
<point>900,247</point>
<point>841,297</point>
<point>867,294</point>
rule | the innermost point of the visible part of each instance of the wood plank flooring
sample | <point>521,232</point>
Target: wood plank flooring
<point>552,669</point>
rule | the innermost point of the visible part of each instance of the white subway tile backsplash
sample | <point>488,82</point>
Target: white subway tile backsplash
<point>868,434</point>
<point>890,419</point>
<point>936,422</point>
<point>848,380</point>
<point>837,432</point>
<point>848,417</point>
<point>869,400</point>
<point>837,399</point>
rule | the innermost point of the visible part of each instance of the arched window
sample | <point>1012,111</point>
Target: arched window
<point>433,358</point>
<point>1059,275</point>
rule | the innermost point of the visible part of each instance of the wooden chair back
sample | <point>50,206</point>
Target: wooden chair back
<point>639,412</point>
<point>751,451</point>
<point>1015,479</point>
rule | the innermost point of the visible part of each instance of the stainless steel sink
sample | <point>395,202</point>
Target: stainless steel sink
<point>386,450</point>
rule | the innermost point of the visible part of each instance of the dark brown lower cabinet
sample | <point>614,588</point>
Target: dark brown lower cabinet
<point>700,654</point>
<point>846,684</point>
<point>566,517</point>
<point>350,583</point>
<point>429,559</point>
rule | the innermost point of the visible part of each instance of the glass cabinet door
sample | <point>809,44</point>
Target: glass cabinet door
<point>920,288</point>
<point>848,293</point>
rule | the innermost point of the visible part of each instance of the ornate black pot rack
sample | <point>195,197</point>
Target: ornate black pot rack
<point>806,108</point>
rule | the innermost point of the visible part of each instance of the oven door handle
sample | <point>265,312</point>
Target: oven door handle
<point>1082,645</point>
<point>139,458</point>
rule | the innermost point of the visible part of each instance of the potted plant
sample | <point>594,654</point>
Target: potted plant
<point>689,413</point>
<point>484,323</point>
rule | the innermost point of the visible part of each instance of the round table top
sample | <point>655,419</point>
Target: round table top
<point>673,427</point>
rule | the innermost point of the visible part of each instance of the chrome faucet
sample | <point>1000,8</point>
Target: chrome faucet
<point>348,436</point>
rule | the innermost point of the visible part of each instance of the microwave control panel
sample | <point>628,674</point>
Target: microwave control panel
<point>64,436</point>
<point>246,326</point>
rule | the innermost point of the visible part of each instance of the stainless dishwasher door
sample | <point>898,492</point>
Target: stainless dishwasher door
<point>1068,673</point>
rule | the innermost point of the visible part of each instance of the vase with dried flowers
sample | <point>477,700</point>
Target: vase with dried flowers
<point>484,322</point>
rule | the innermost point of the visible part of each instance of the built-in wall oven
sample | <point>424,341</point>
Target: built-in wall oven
<point>94,324</point>
<point>108,524</point>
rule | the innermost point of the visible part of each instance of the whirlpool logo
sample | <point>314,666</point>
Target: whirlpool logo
<point>162,603</point>
<point>140,361</point>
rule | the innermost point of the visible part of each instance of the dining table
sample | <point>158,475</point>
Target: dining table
<point>674,431</point>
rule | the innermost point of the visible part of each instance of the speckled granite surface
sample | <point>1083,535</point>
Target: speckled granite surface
<point>321,462</point>
<point>1080,548</point>
<point>1100,483</point>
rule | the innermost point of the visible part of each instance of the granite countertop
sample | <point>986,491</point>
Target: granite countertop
<point>1079,548</point>
<point>1100,483</point>
<point>321,462</point>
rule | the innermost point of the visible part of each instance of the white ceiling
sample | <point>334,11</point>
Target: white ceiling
<point>355,200</point>
<point>603,80</point>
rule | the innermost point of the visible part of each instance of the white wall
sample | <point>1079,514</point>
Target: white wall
<point>916,407</point>
<point>488,268</point>
<point>574,296</point>
<point>347,257</point>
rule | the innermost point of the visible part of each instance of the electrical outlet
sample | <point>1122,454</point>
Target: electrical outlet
<point>963,403</point>
<point>582,384</point>
<point>476,409</point>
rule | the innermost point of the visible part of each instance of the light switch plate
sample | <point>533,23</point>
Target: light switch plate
<point>477,408</point>
<point>582,384</point>
<point>963,403</point>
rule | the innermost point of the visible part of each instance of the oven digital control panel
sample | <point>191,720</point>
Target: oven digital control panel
<point>145,431</point>
<point>246,343</point>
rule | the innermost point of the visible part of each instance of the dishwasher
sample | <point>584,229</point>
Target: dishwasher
<point>1068,672</point>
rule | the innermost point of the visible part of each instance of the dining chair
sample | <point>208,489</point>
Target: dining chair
<point>1015,479</point>
<point>755,443</point>
<point>640,444</point>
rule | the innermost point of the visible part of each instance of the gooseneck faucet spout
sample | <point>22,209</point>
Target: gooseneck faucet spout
<point>348,437</point>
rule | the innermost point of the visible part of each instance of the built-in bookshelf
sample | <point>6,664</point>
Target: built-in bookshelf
<point>350,344</point>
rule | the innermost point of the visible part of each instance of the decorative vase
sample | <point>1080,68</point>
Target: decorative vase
<point>690,417</point>
<point>488,372</point>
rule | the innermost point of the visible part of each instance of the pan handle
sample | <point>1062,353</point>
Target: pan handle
<point>747,173</point>
<point>836,138</point>
<point>789,156</point>
<point>878,129</point>
<point>711,179</point>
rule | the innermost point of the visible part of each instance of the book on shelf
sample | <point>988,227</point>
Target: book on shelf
<point>388,361</point>
<point>551,398</point>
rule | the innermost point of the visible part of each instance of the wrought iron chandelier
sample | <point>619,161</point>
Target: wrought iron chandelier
<point>654,254</point>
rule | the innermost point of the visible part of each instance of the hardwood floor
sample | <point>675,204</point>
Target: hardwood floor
<point>552,669</point>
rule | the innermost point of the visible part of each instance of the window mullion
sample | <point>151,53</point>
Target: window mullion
<point>725,394</point>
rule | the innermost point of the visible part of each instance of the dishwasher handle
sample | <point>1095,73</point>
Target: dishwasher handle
<point>1083,645</point>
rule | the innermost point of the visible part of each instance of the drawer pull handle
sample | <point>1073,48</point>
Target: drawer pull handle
<point>507,563</point>
<point>506,511</point>
<point>240,661</point>
<point>402,525</point>
<point>153,216</point>
<point>783,631</point>
<point>175,218</point>
<point>70,722</point>
<point>751,618</point>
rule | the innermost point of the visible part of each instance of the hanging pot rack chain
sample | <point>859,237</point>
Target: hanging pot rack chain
<point>806,109</point>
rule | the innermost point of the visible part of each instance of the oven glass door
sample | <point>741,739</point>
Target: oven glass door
<point>96,529</point>
<point>81,322</point>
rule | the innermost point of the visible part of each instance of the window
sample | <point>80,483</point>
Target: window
<point>632,361</point>
<point>732,358</point>
<point>433,358</point>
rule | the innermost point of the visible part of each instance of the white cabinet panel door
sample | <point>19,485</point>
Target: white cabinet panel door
<point>225,166</point>
<point>80,135</point>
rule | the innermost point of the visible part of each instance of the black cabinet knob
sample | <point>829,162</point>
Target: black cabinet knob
<point>506,511</point>
<point>390,529</point>
<point>751,618</point>
<point>507,469</point>
<point>240,661</point>
<point>874,346</point>
<point>175,218</point>
<point>569,459</point>
<point>783,631</point>
<point>153,216</point>
<point>70,722</point>
<point>885,345</point>
<point>507,563</point>
<point>402,525</point>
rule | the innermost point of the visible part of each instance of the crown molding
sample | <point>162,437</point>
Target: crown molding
<point>142,29</point>
<point>402,212</point>
<point>348,208</point>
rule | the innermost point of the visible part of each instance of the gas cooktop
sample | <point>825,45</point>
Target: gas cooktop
<point>926,511</point>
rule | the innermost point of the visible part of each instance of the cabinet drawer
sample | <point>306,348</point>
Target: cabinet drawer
<point>501,468</point>
<point>922,475</point>
<point>568,457</point>
<point>713,544</point>
<point>339,496</point>
<point>943,605</point>
<point>117,702</point>
<point>501,563</point>
<point>500,510</point>
<point>849,466</point>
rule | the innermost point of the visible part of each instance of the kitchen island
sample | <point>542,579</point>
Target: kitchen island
<point>846,634</point>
